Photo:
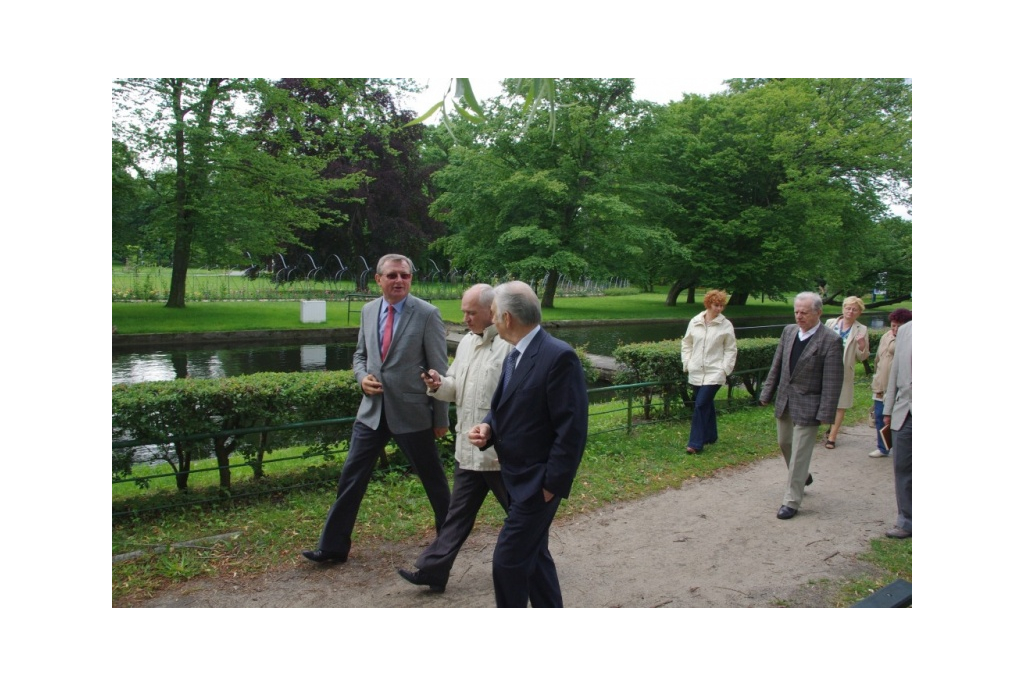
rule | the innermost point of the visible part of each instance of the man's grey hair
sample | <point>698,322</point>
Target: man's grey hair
<point>484,294</point>
<point>815,299</point>
<point>394,258</point>
<point>519,300</point>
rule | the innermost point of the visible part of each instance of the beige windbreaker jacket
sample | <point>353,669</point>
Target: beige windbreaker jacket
<point>709,350</point>
<point>470,384</point>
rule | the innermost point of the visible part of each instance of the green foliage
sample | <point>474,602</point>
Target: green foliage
<point>232,178</point>
<point>553,207</point>
<point>155,413</point>
<point>589,370</point>
<point>780,182</point>
<point>662,362</point>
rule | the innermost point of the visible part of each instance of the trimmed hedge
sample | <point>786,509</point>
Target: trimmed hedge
<point>154,413</point>
<point>662,362</point>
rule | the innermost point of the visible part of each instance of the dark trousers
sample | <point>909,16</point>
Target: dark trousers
<point>703,425</point>
<point>522,568</point>
<point>902,451</point>
<point>364,448</point>
<point>468,494</point>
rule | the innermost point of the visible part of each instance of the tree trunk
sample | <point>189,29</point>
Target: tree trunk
<point>184,454</point>
<point>183,226</point>
<point>691,294</point>
<point>738,299</point>
<point>222,448</point>
<point>190,180</point>
<point>547,301</point>
<point>676,288</point>
<point>257,463</point>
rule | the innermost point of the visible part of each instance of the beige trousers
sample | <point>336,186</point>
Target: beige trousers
<point>797,445</point>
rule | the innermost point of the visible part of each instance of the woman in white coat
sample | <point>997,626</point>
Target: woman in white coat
<point>709,356</point>
<point>855,349</point>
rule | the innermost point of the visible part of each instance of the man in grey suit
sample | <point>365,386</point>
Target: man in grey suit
<point>399,336</point>
<point>806,378</point>
<point>897,413</point>
<point>470,383</point>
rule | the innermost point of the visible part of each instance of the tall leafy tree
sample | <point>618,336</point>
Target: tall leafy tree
<point>387,210</point>
<point>541,203</point>
<point>780,183</point>
<point>243,156</point>
<point>132,205</point>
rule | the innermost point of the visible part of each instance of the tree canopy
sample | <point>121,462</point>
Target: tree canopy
<point>241,165</point>
<point>519,203</point>
<point>781,183</point>
<point>774,186</point>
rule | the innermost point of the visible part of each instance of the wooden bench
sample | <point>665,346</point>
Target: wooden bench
<point>895,595</point>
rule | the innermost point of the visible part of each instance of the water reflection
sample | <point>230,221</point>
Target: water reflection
<point>223,361</point>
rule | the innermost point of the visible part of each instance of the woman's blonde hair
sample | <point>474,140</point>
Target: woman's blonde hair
<point>715,297</point>
<point>853,299</point>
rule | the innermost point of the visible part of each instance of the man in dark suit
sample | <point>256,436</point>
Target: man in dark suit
<point>806,378</point>
<point>897,413</point>
<point>399,335</point>
<point>538,427</point>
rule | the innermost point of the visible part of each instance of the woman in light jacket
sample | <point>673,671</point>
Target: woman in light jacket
<point>883,360</point>
<point>709,355</point>
<point>855,349</point>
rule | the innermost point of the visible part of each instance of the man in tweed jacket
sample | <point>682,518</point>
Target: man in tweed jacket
<point>806,378</point>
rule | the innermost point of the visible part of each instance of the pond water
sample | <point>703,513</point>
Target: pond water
<point>219,361</point>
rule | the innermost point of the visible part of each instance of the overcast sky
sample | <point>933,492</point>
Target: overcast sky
<point>660,89</point>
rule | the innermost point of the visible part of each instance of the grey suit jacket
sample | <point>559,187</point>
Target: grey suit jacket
<point>418,340</point>
<point>899,394</point>
<point>811,392</point>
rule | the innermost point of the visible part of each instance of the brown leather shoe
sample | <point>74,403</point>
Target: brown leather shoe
<point>897,532</point>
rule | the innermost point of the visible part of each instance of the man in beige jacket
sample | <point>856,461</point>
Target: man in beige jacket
<point>469,383</point>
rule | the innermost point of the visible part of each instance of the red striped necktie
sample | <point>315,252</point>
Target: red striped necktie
<point>389,327</point>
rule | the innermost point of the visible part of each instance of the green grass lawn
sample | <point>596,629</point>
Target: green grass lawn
<point>208,316</point>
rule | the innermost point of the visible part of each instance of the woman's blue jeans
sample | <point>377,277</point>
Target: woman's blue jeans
<point>879,405</point>
<point>703,426</point>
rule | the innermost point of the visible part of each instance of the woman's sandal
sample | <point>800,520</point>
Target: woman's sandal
<point>830,444</point>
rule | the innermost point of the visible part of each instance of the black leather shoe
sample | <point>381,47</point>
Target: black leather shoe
<point>786,512</point>
<point>810,479</point>
<point>418,578</point>
<point>320,556</point>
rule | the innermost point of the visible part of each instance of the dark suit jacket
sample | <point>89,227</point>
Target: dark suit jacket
<point>418,340</point>
<point>539,424</point>
<point>811,392</point>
